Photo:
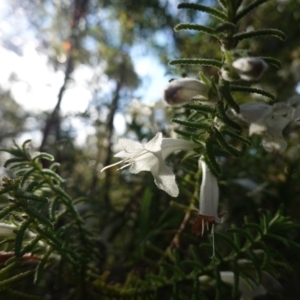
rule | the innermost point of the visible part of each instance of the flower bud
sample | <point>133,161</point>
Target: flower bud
<point>250,68</point>
<point>180,91</point>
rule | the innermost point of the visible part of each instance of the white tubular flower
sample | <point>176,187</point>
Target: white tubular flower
<point>150,157</point>
<point>268,121</point>
<point>180,91</point>
<point>208,203</point>
<point>250,68</point>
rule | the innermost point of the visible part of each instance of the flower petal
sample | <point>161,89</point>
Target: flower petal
<point>170,145</point>
<point>209,194</point>
<point>257,128</point>
<point>254,112</point>
<point>128,146</point>
<point>154,145</point>
<point>165,180</point>
<point>144,162</point>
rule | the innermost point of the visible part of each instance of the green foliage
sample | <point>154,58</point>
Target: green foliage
<point>37,236</point>
<point>77,234</point>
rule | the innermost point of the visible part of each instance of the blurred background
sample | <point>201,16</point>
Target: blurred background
<point>77,75</point>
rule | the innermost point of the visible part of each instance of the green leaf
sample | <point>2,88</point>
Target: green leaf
<point>32,186</point>
<point>41,266</point>
<point>195,252</point>
<point>7,189</point>
<point>14,160</point>
<point>271,61</point>
<point>246,89</point>
<point>174,269</point>
<point>30,196</point>
<point>237,4</point>
<point>54,175</point>
<point>254,226</point>
<point>243,12</point>
<point>212,11</point>
<point>210,159</point>
<point>184,133</point>
<point>242,232</point>
<point>225,27</point>
<point>50,236</point>
<point>294,245</point>
<point>197,61</point>
<point>15,152</point>
<point>30,245</point>
<point>200,107</point>
<point>267,256</point>
<point>284,241</point>
<point>236,237</point>
<point>192,124</point>
<point>221,114</point>
<point>12,280</point>
<point>256,265</point>
<point>26,175</point>
<point>17,295</point>
<point>225,91</point>
<point>264,221</point>
<point>43,155</point>
<point>236,136</point>
<point>5,211</point>
<point>223,4</point>
<point>54,166</point>
<point>259,33</point>
<point>203,78</point>
<point>228,241</point>
<point>31,211</point>
<point>190,26</point>
<point>62,193</point>
<point>20,236</point>
<point>230,149</point>
<point>218,284</point>
<point>191,263</point>
<point>156,279</point>
<point>24,145</point>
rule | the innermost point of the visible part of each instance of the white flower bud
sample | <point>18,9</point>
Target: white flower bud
<point>250,68</point>
<point>180,91</point>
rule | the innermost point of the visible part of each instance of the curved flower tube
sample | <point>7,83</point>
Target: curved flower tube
<point>208,204</point>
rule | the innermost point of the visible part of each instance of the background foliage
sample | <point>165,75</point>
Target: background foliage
<point>115,235</point>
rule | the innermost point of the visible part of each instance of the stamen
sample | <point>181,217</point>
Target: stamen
<point>129,164</point>
<point>202,227</point>
<point>112,165</point>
